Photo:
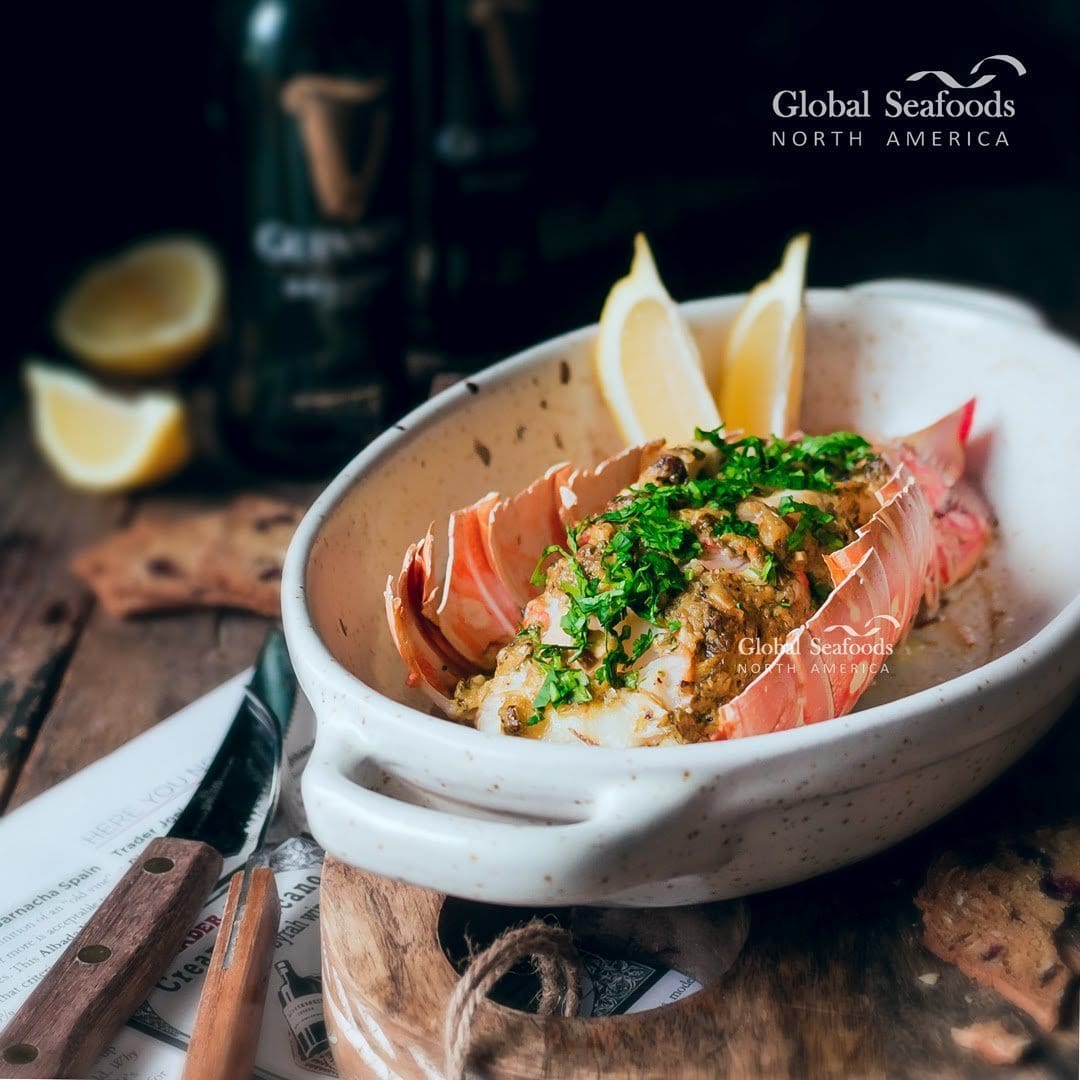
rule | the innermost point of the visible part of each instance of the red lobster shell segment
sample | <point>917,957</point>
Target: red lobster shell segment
<point>434,665</point>
<point>930,529</point>
<point>446,630</point>
<point>962,521</point>
<point>828,662</point>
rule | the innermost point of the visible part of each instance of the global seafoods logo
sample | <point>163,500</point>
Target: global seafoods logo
<point>841,649</point>
<point>959,114</point>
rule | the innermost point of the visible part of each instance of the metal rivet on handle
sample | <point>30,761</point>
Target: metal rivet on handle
<point>158,865</point>
<point>20,1053</point>
<point>94,954</point>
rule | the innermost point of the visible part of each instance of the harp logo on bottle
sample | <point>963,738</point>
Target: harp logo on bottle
<point>965,118</point>
<point>325,108</point>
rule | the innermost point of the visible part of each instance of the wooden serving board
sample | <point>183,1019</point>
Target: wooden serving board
<point>829,979</point>
<point>387,981</point>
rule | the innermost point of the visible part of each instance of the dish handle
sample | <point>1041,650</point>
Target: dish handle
<point>989,302</point>
<point>627,841</point>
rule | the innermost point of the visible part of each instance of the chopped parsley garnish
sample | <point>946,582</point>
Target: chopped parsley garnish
<point>611,669</point>
<point>643,566</point>
<point>843,449</point>
<point>561,683</point>
<point>812,520</point>
<point>729,523</point>
<point>767,573</point>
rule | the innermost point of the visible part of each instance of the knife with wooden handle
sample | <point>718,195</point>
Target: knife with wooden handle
<point>226,1031</point>
<point>115,960</point>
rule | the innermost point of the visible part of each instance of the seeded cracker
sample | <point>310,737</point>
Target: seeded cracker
<point>226,558</point>
<point>997,923</point>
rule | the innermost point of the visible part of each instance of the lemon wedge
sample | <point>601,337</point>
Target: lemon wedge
<point>647,361</point>
<point>147,311</point>
<point>760,375</point>
<point>100,441</point>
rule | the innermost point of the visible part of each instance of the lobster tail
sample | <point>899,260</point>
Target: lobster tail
<point>929,530</point>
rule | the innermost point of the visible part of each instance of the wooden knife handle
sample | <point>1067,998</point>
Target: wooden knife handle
<point>226,1032</point>
<point>105,974</point>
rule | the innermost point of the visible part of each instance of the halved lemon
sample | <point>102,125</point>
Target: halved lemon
<point>147,311</point>
<point>647,361</point>
<point>760,375</point>
<point>100,441</point>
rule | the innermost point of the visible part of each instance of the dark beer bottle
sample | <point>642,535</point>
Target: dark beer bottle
<point>318,133</point>
<point>479,233</point>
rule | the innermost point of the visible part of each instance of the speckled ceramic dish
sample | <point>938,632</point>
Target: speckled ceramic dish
<point>406,794</point>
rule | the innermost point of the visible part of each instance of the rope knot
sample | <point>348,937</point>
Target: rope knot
<point>557,963</point>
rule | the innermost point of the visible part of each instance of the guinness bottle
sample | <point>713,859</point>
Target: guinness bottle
<point>318,131</point>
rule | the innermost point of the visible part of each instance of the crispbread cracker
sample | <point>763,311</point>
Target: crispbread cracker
<point>997,921</point>
<point>247,562</point>
<point>225,558</point>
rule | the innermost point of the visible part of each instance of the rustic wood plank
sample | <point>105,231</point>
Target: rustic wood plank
<point>42,607</point>
<point>829,985</point>
<point>127,674</point>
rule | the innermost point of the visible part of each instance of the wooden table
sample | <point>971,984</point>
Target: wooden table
<point>828,984</point>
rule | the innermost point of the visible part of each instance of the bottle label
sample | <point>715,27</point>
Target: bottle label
<point>366,401</point>
<point>332,267</point>
<point>303,1012</point>
<point>280,244</point>
<point>342,256</point>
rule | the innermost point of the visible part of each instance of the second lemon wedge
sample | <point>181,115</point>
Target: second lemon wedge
<point>761,372</point>
<point>647,361</point>
<point>100,441</point>
<point>145,312</point>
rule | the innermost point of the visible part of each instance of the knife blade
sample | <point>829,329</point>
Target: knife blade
<point>232,807</point>
<point>115,960</point>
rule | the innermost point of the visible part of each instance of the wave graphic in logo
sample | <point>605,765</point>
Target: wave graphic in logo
<point>870,628</point>
<point>982,80</point>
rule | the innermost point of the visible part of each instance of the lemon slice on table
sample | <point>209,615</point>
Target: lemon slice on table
<point>761,370</point>
<point>647,361</point>
<point>147,311</point>
<point>101,441</point>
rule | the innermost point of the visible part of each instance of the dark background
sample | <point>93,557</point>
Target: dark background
<point>649,116</point>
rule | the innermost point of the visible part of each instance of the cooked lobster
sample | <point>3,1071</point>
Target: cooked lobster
<point>729,587</point>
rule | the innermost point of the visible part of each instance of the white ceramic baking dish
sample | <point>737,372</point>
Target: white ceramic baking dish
<point>398,791</point>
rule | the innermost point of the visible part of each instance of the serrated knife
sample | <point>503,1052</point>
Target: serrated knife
<point>114,961</point>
